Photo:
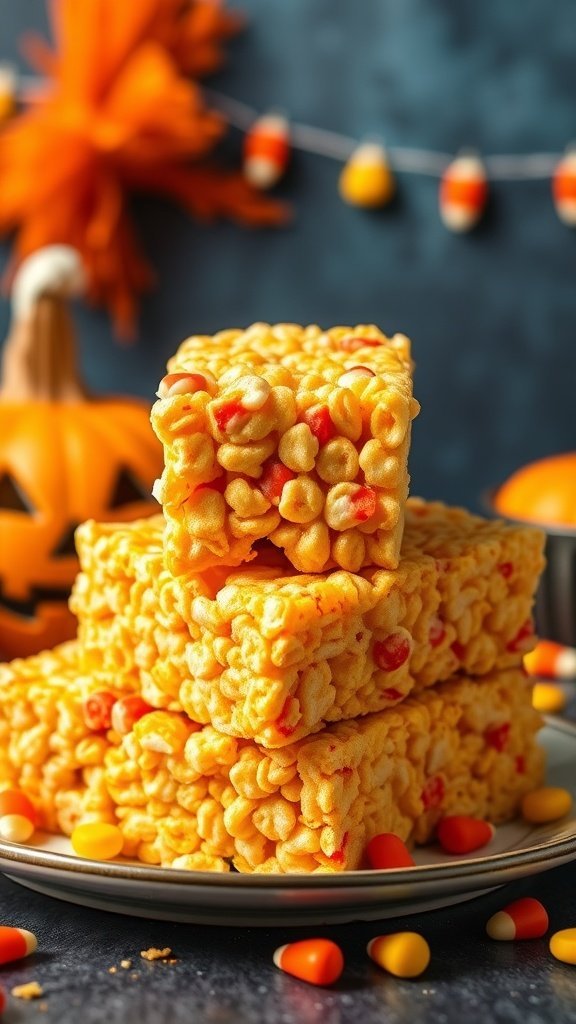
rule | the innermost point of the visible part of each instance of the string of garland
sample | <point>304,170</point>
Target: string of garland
<point>367,178</point>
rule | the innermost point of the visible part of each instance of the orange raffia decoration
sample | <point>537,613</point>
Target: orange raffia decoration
<point>118,114</point>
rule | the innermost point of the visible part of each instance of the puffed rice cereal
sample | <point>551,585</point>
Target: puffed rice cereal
<point>289,433</point>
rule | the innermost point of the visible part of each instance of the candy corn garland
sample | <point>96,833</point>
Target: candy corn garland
<point>368,176</point>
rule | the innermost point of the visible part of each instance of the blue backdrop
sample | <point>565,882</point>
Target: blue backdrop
<point>492,315</point>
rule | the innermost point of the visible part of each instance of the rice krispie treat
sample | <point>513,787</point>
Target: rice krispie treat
<point>288,433</point>
<point>46,747</point>
<point>267,654</point>
<point>191,797</point>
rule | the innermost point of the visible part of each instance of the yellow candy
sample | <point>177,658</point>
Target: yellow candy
<point>367,180</point>
<point>548,698</point>
<point>546,804</point>
<point>405,954</point>
<point>563,945</point>
<point>97,841</point>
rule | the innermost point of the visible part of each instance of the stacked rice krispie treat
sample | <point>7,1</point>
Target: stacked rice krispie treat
<point>361,674</point>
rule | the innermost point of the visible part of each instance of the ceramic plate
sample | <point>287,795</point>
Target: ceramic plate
<point>518,849</point>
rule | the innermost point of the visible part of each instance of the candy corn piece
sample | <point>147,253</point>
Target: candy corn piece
<point>15,943</point>
<point>16,828</point>
<point>404,954</point>
<point>388,851</point>
<point>548,658</point>
<point>266,151</point>
<point>461,834</point>
<point>367,179</point>
<point>563,945</point>
<point>548,698</point>
<point>463,193</point>
<point>15,803</point>
<point>318,961</point>
<point>523,919</point>
<point>564,189</point>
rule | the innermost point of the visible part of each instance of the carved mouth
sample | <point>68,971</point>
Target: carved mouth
<point>28,608</point>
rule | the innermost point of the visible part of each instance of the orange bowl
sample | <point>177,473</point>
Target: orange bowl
<point>544,494</point>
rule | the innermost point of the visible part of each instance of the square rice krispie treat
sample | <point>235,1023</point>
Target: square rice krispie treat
<point>288,433</point>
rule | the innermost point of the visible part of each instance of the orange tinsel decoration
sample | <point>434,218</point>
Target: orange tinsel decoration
<point>118,114</point>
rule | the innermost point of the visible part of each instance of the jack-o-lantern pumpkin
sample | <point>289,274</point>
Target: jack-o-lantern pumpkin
<point>64,456</point>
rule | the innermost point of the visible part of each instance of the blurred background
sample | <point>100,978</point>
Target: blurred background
<point>492,314</point>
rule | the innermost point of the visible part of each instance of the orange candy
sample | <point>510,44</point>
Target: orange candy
<point>551,660</point>
<point>523,919</point>
<point>16,943</point>
<point>318,961</point>
<point>266,151</point>
<point>387,851</point>
<point>13,801</point>
<point>97,710</point>
<point>127,711</point>
<point>463,193</point>
<point>460,834</point>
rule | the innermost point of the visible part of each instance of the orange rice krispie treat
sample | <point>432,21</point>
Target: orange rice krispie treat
<point>192,797</point>
<point>288,433</point>
<point>266,654</point>
<point>46,747</point>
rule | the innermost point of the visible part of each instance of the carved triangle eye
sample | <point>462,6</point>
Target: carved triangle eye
<point>127,489</point>
<point>66,545</point>
<point>12,496</point>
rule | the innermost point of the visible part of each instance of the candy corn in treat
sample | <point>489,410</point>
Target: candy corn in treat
<point>264,653</point>
<point>286,433</point>
<point>188,795</point>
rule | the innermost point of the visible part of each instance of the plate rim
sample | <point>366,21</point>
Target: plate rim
<point>559,848</point>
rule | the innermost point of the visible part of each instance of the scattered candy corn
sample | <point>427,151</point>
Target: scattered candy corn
<point>564,189</point>
<point>13,801</point>
<point>16,943</point>
<point>523,919</point>
<point>266,151</point>
<point>367,179</point>
<point>318,961</point>
<point>463,193</point>
<point>563,945</point>
<point>546,804</point>
<point>461,834</point>
<point>548,698</point>
<point>551,659</point>
<point>97,841</point>
<point>404,954</point>
<point>16,828</point>
<point>388,851</point>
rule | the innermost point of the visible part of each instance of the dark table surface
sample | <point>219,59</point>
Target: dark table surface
<point>226,975</point>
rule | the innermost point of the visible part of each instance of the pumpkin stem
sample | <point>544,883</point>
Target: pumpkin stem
<point>39,357</point>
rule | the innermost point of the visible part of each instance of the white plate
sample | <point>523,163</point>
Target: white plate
<point>517,850</point>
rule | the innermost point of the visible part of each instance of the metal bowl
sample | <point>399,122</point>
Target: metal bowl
<point>555,609</point>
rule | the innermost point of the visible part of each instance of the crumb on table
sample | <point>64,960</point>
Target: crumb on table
<point>126,964</point>
<point>30,990</point>
<point>155,954</point>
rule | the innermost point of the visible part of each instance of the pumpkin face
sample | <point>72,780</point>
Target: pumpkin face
<point>62,463</point>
